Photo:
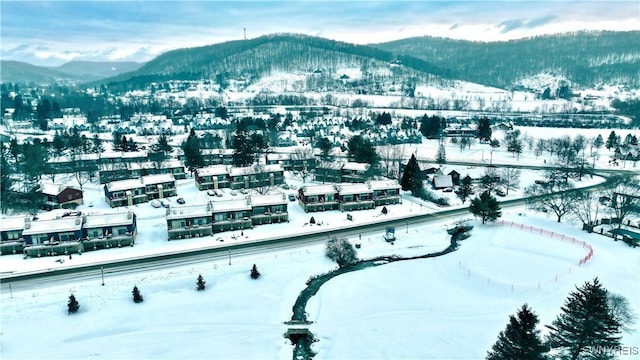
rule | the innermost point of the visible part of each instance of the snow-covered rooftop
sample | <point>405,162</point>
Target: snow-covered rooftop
<point>383,184</point>
<point>72,223</point>
<point>348,189</point>
<point>212,170</point>
<point>356,166</point>
<point>108,219</point>
<point>231,205</point>
<point>271,199</point>
<point>127,184</point>
<point>191,211</point>
<point>157,179</point>
<point>12,223</point>
<point>318,190</point>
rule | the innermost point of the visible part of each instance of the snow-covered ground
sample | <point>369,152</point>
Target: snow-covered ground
<point>450,307</point>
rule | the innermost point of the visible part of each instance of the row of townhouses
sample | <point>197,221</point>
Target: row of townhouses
<point>341,172</point>
<point>72,232</point>
<point>67,163</point>
<point>221,176</point>
<point>348,197</point>
<point>135,191</point>
<point>218,216</point>
<point>133,170</point>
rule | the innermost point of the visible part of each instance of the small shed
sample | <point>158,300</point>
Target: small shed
<point>455,177</point>
<point>442,182</point>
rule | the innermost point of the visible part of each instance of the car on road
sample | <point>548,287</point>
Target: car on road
<point>292,197</point>
<point>165,203</point>
<point>155,203</point>
<point>211,193</point>
<point>218,192</point>
<point>233,193</point>
<point>180,201</point>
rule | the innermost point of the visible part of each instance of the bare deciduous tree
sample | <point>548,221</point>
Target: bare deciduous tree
<point>587,207</point>
<point>625,197</point>
<point>560,199</point>
<point>509,179</point>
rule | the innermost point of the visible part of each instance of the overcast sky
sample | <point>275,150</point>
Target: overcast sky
<point>53,32</point>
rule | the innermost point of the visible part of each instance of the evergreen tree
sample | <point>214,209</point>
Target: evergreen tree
<point>58,143</point>
<point>431,127</point>
<point>73,306</point>
<point>586,327</point>
<point>97,146</point>
<point>612,141</point>
<point>116,142</point>
<point>192,152</point>
<point>598,142</point>
<point>6,180</point>
<point>200,283</point>
<point>137,297</point>
<point>441,156</point>
<point>411,177</point>
<point>484,129</point>
<point>486,207</point>
<point>242,150</point>
<point>465,189</point>
<point>254,272</point>
<point>362,150</point>
<point>383,119</point>
<point>519,340</point>
<point>325,146</point>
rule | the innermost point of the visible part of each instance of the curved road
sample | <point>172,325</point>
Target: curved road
<point>165,260</point>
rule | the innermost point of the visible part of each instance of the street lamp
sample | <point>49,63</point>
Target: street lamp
<point>102,272</point>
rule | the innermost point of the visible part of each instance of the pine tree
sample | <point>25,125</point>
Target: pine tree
<point>200,284</point>
<point>464,190</point>
<point>192,153</point>
<point>254,272</point>
<point>411,178</point>
<point>484,129</point>
<point>485,207</point>
<point>598,142</point>
<point>519,340</point>
<point>137,297</point>
<point>441,156</point>
<point>586,325</point>
<point>242,150</point>
<point>73,306</point>
<point>612,141</point>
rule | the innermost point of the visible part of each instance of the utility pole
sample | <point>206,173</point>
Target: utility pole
<point>102,271</point>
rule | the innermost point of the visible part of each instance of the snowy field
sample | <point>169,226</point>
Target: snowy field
<point>450,307</point>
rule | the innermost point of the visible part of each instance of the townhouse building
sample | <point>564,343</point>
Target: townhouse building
<point>136,191</point>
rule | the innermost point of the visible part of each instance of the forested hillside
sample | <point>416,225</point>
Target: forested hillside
<point>584,58</point>
<point>249,59</point>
